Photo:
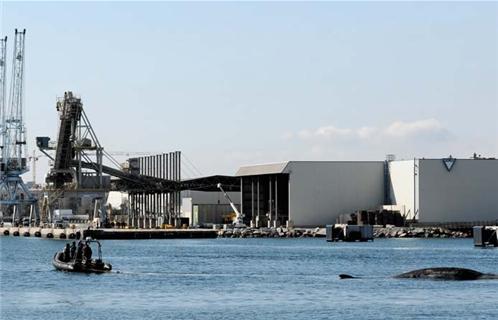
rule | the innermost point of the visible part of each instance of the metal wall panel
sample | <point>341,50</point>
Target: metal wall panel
<point>468,192</point>
<point>320,191</point>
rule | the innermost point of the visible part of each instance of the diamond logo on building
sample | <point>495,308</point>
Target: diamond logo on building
<point>449,163</point>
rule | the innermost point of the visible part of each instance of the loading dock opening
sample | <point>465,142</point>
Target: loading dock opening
<point>265,199</point>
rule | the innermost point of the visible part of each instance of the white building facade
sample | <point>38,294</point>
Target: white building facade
<point>309,193</point>
<point>315,193</point>
<point>445,190</point>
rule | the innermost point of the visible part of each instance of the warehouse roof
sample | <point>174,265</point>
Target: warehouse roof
<point>210,183</point>
<point>284,167</point>
<point>271,168</point>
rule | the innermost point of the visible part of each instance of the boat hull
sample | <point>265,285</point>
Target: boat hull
<point>93,267</point>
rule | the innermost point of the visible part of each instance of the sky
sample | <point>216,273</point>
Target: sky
<point>232,84</point>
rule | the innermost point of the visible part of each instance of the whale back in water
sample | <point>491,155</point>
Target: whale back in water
<point>442,274</point>
<point>346,276</point>
<point>439,274</point>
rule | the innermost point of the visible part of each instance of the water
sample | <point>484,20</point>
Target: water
<point>248,279</point>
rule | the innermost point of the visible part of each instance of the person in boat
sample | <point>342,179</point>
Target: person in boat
<point>67,252</point>
<point>87,253</point>
<point>79,252</point>
<point>72,251</point>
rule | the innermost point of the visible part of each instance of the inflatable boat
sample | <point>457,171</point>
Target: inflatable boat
<point>91,266</point>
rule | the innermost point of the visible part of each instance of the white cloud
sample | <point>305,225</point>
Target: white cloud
<point>397,129</point>
<point>304,134</point>
<point>332,132</point>
<point>405,129</point>
<point>407,139</point>
<point>367,132</point>
<point>287,135</point>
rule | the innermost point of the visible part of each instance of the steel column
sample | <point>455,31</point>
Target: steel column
<point>276,202</point>
<point>241,196</point>
<point>257,198</point>
<point>269,202</point>
<point>252,200</point>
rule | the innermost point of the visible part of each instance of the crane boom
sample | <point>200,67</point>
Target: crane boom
<point>238,221</point>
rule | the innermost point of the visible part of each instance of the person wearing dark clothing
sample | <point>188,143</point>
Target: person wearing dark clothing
<point>67,251</point>
<point>79,252</point>
<point>72,250</point>
<point>87,253</point>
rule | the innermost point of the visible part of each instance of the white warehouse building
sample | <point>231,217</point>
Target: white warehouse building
<point>309,193</point>
<point>315,193</point>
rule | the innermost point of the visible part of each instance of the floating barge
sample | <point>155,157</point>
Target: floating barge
<point>485,236</point>
<point>350,233</point>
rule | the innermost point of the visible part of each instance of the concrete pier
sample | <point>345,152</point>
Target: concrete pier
<point>107,234</point>
<point>126,234</point>
<point>37,232</point>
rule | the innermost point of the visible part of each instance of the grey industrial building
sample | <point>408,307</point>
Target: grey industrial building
<point>314,193</point>
<point>445,190</point>
<point>309,193</point>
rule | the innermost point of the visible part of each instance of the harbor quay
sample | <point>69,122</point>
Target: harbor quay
<point>107,234</point>
<point>78,233</point>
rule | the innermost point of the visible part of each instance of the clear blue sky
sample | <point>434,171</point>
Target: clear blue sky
<point>241,83</point>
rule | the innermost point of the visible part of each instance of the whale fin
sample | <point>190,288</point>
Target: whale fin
<point>346,276</point>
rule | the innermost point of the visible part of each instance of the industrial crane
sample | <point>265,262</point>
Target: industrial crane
<point>14,194</point>
<point>35,157</point>
<point>238,222</point>
<point>3,84</point>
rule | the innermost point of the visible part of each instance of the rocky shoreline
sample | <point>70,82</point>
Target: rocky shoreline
<point>418,232</point>
<point>379,232</point>
<point>271,233</point>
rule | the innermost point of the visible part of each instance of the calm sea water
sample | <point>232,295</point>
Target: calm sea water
<point>248,279</point>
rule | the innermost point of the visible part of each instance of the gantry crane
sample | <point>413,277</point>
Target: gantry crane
<point>3,84</point>
<point>14,194</point>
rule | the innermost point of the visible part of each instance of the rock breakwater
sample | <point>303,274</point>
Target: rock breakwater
<point>417,232</point>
